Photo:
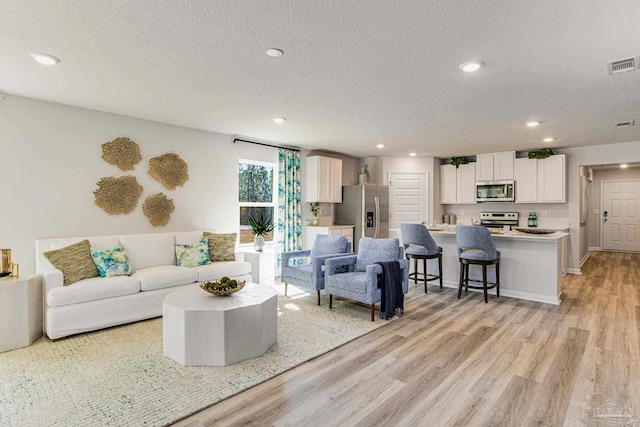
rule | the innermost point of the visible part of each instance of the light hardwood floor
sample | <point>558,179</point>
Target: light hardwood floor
<point>450,362</point>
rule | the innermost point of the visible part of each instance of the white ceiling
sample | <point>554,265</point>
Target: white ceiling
<point>354,73</point>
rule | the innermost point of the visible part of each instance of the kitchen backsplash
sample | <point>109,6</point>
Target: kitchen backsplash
<point>550,215</point>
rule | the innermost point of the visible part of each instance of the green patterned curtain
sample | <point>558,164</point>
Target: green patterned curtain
<point>289,203</point>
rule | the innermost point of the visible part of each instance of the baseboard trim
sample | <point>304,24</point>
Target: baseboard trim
<point>574,271</point>
<point>584,258</point>
<point>512,294</point>
<point>594,248</point>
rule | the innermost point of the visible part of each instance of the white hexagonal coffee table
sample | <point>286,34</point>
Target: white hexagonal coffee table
<point>200,329</point>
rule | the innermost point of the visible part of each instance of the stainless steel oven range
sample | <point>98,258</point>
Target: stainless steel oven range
<point>499,219</point>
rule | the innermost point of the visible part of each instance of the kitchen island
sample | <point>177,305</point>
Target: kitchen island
<point>531,265</point>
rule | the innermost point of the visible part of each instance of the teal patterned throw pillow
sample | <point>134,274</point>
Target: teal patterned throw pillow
<point>112,262</point>
<point>193,255</point>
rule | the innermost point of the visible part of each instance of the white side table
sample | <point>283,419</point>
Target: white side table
<point>20,312</point>
<point>263,265</point>
<point>199,329</point>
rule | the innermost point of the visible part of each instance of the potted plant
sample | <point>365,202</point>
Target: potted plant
<point>457,161</point>
<point>260,227</point>
<point>540,154</point>
<point>315,210</point>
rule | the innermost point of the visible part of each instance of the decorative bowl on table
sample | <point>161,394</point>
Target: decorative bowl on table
<point>223,287</point>
<point>534,230</point>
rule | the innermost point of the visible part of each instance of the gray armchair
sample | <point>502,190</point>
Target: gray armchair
<point>360,281</point>
<point>311,275</point>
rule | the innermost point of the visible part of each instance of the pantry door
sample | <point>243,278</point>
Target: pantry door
<point>408,198</point>
<point>620,212</point>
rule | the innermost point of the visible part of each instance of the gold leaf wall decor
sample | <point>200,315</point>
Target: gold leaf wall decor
<point>118,195</point>
<point>122,152</point>
<point>158,209</point>
<point>169,170</point>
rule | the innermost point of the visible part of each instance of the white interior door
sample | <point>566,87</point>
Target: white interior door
<point>407,198</point>
<point>620,210</point>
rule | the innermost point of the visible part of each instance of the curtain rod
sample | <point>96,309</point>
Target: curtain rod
<point>266,145</point>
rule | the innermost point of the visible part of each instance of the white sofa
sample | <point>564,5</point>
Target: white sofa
<point>97,303</point>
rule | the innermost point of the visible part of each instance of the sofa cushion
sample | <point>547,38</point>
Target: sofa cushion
<point>221,246</point>
<point>149,250</point>
<point>92,289</point>
<point>112,262</point>
<point>74,261</point>
<point>165,276</point>
<point>371,251</point>
<point>192,255</point>
<point>216,270</point>
<point>326,244</point>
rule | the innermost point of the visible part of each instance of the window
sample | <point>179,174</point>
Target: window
<point>256,188</point>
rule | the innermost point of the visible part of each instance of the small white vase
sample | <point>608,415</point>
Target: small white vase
<point>258,243</point>
<point>315,221</point>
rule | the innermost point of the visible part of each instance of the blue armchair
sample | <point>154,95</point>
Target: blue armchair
<point>360,281</point>
<point>311,276</point>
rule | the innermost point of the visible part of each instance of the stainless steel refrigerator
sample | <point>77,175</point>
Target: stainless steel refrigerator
<point>367,207</point>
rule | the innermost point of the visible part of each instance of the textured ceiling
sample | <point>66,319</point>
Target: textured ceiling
<point>354,73</point>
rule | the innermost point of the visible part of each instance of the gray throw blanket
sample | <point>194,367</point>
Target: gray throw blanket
<point>390,284</point>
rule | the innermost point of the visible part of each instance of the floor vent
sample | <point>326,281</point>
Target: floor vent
<point>623,65</point>
<point>625,124</point>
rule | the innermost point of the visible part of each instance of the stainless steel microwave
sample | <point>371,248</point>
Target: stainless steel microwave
<point>495,191</point>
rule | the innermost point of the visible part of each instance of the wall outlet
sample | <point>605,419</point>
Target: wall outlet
<point>544,213</point>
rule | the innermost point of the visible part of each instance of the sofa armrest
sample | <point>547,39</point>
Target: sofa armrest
<point>51,278</point>
<point>331,264</point>
<point>288,256</point>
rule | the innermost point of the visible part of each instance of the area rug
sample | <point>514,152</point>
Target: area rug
<point>119,376</point>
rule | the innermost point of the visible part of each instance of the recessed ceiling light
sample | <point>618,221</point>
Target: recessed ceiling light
<point>532,124</point>
<point>412,154</point>
<point>279,120</point>
<point>45,58</point>
<point>549,139</point>
<point>471,66</point>
<point>624,166</point>
<point>274,53</point>
<point>380,145</point>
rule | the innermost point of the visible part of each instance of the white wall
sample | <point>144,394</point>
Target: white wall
<point>50,161</point>
<point>627,152</point>
<point>595,216</point>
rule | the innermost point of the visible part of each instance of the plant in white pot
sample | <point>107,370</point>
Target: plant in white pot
<point>260,228</point>
<point>315,210</point>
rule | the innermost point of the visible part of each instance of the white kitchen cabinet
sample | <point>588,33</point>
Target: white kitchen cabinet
<point>526,178</point>
<point>458,185</point>
<point>448,188</point>
<point>323,179</point>
<point>495,166</point>
<point>466,183</point>
<point>310,233</point>
<point>552,179</point>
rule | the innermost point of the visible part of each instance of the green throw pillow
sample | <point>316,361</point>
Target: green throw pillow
<point>193,255</point>
<point>112,262</point>
<point>74,261</point>
<point>221,246</point>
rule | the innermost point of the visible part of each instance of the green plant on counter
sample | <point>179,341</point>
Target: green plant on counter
<point>540,154</point>
<point>457,161</point>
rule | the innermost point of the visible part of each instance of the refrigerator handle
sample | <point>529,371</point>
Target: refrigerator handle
<point>376,201</point>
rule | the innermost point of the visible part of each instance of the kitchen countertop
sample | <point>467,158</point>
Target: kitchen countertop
<point>513,234</point>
